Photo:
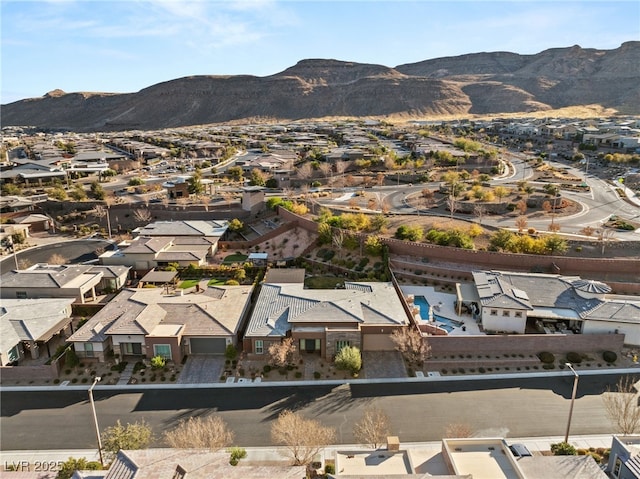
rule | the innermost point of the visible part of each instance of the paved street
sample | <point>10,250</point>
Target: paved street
<point>419,411</point>
<point>76,251</point>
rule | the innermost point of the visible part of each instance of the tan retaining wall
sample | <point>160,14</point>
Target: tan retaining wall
<point>617,270</point>
<point>524,344</point>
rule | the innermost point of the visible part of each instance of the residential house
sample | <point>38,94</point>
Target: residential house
<point>42,280</point>
<point>33,174</point>
<point>178,187</point>
<point>146,322</point>
<point>516,302</point>
<point>144,253</point>
<point>27,326</point>
<point>624,458</point>
<point>205,228</point>
<point>323,321</point>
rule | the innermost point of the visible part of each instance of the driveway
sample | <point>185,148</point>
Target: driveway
<point>383,364</point>
<point>202,369</point>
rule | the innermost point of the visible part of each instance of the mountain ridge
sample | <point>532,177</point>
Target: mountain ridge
<point>475,84</point>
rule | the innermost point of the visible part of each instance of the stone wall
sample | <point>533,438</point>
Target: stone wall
<point>524,344</point>
<point>617,270</point>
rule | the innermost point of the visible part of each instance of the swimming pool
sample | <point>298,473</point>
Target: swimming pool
<point>445,323</point>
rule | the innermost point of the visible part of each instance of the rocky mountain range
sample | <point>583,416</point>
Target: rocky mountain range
<point>473,84</point>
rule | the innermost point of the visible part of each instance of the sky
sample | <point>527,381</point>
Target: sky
<point>123,46</point>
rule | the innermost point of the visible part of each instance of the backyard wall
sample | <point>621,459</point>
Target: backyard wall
<point>620,271</point>
<point>525,344</point>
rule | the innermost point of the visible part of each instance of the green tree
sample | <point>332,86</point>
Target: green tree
<point>555,245</point>
<point>409,233</point>
<point>194,184</point>
<point>257,178</point>
<point>10,189</point>
<point>72,465</point>
<point>349,359</point>
<point>78,193</point>
<point>57,193</point>
<point>132,436</point>
<point>231,352</point>
<point>236,225</point>
<point>379,223</point>
<point>501,239</point>
<point>325,233</point>
<point>373,245</point>
<point>136,181</point>
<point>236,173</point>
<point>97,191</point>
<point>500,192</point>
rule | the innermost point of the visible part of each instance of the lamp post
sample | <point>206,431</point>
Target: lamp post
<point>95,417</point>
<point>573,398</point>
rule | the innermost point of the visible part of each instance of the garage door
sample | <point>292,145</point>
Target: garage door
<point>377,342</point>
<point>208,345</point>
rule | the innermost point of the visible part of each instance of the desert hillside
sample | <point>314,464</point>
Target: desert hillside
<point>475,84</point>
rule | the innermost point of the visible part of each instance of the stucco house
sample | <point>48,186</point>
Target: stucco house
<point>80,282</point>
<point>322,321</point>
<point>27,326</point>
<point>624,459</point>
<point>546,303</point>
<point>144,253</point>
<point>146,322</point>
<point>52,281</point>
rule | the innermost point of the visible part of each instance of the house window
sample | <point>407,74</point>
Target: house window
<point>163,350</point>
<point>518,314</point>
<point>494,312</point>
<point>506,313</point>
<point>617,467</point>
<point>21,294</point>
<point>88,350</point>
<point>342,344</point>
<point>259,346</point>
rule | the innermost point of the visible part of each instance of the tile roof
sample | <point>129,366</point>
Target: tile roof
<point>185,228</point>
<point>31,319</point>
<point>214,311</point>
<point>49,276</point>
<point>280,305</point>
<point>587,299</point>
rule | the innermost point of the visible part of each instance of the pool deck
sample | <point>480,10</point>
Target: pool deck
<point>443,305</point>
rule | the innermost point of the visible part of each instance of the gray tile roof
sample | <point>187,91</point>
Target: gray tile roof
<point>553,292</point>
<point>48,276</point>
<point>213,312</point>
<point>31,319</point>
<point>185,228</point>
<point>281,305</point>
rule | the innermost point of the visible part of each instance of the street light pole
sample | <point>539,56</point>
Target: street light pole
<point>573,398</point>
<point>95,417</point>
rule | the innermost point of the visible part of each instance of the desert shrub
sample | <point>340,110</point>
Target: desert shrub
<point>158,362</point>
<point>546,357</point>
<point>329,469</point>
<point>574,358</point>
<point>563,449</point>
<point>316,375</point>
<point>609,356</point>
